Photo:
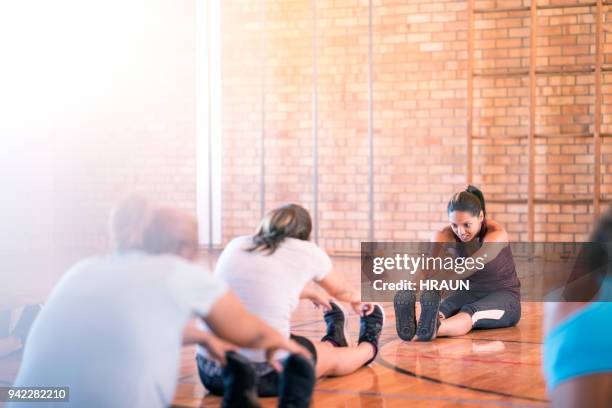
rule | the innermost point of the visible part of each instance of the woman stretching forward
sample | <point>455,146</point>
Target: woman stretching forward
<point>493,300</point>
<point>269,272</point>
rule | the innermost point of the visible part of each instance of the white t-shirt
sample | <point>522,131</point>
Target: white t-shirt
<point>270,285</point>
<point>112,329</point>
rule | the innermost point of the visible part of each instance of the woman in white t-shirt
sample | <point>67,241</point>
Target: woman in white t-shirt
<point>269,272</point>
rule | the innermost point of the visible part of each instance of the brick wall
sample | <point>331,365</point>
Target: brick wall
<point>606,110</point>
<point>342,85</point>
<point>127,117</point>
<point>419,84</point>
<point>420,53</point>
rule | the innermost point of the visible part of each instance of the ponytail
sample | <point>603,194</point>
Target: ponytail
<point>470,200</point>
<point>476,191</point>
<point>288,221</point>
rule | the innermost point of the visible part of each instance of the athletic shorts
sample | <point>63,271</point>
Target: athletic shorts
<point>489,310</point>
<point>268,379</point>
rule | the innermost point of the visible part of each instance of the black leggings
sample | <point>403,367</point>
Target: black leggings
<point>268,379</point>
<point>489,310</point>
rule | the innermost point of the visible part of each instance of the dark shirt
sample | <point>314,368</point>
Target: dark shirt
<point>497,274</point>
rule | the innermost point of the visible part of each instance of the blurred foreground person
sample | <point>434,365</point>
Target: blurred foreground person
<point>112,328</point>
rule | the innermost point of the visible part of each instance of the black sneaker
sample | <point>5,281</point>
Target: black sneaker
<point>336,326</point>
<point>405,318</point>
<point>296,383</point>
<point>429,322</point>
<point>239,382</point>
<point>370,328</point>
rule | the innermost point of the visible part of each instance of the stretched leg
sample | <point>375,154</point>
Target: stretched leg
<point>495,310</point>
<point>336,361</point>
<point>456,325</point>
<point>453,322</point>
<point>452,304</point>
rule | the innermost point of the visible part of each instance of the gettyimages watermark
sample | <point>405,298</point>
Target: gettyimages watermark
<point>572,272</point>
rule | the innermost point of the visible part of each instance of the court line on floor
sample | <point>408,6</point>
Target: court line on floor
<point>354,332</point>
<point>313,333</point>
<point>380,360</point>
<point>483,339</point>
<point>424,398</point>
<point>403,371</point>
<point>471,359</point>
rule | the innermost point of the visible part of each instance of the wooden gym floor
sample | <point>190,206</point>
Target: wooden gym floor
<point>484,368</point>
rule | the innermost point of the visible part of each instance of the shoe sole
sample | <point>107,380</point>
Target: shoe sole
<point>429,308</point>
<point>405,317</point>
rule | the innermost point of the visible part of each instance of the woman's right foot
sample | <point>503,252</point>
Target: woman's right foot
<point>370,328</point>
<point>429,321</point>
<point>405,319</point>
<point>336,326</point>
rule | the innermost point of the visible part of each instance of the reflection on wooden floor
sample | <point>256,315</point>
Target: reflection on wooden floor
<point>484,368</point>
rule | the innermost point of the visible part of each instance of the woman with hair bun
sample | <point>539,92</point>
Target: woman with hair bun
<point>493,300</point>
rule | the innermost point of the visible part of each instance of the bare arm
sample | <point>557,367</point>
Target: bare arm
<point>215,346</point>
<point>338,287</point>
<point>318,298</point>
<point>229,320</point>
